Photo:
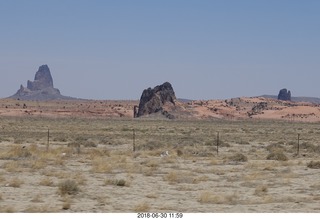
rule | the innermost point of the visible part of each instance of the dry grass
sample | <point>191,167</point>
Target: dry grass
<point>2,179</point>
<point>37,198</point>
<point>37,209</point>
<point>15,182</point>
<point>152,196</point>
<point>38,164</point>
<point>12,166</point>
<point>16,152</point>
<point>142,207</point>
<point>7,209</point>
<point>80,178</point>
<point>174,177</point>
<point>46,182</point>
<point>210,198</point>
<point>101,165</point>
<point>112,178</point>
<point>255,176</point>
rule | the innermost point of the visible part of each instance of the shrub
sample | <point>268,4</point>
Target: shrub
<point>69,187</point>
<point>172,177</point>
<point>37,198</point>
<point>314,164</point>
<point>75,147</point>
<point>261,190</point>
<point>90,144</point>
<point>224,144</point>
<point>179,153</point>
<point>60,139</point>
<point>210,143</point>
<point>274,147</point>
<point>310,147</point>
<point>121,182</point>
<point>116,182</point>
<point>18,141</point>
<point>239,158</point>
<point>152,144</point>
<point>277,155</point>
<point>74,144</point>
<point>242,142</point>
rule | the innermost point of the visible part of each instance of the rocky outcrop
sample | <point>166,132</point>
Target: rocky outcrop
<point>153,100</point>
<point>258,109</point>
<point>284,94</point>
<point>41,88</point>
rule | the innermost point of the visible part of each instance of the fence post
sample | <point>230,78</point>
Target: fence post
<point>218,142</point>
<point>48,142</point>
<point>298,149</point>
<point>134,140</point>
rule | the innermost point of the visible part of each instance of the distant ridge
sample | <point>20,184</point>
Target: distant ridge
<point>183,100</point>
<point>314,100</point>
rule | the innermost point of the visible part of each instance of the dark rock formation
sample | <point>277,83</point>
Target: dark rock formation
<point>41,88</point>
<point>284,94</point>
<point>42,79</point>
<point>153,100</point>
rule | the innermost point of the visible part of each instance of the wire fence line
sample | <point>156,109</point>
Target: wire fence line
<point>210,136</point>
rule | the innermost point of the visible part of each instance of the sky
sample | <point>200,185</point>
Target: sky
<point>207,49</point>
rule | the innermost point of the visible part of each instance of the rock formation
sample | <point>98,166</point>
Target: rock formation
<point>284,94</point>
<point>42,79</point>
<point>258,109</point>
<point>41,88</point>
<point>153,100</point>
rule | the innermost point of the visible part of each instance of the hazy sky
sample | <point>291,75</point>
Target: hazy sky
<point>102,49</point>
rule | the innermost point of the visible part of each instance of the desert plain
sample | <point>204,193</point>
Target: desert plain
<point>93,156</point>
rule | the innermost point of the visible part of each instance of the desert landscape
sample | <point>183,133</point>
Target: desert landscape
<point>215,157</point>
<point>156,154</point>
<point>159,107</point>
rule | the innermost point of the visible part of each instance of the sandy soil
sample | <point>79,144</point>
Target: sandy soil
<point>232,109</point>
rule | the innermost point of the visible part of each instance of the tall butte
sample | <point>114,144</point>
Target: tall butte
<point>41,88</point>
<point>42,79</point>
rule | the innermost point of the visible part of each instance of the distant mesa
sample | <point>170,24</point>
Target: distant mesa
<point>154,101</point>
<point>41,88</point>
<point>284,94</point>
